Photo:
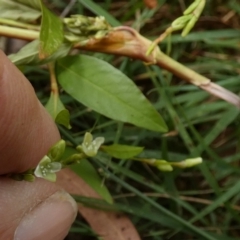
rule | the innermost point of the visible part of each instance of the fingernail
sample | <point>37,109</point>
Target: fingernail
<point>49,220</point>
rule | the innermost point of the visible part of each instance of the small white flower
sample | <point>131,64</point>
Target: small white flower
<point>46,169</point>
<point>89,146</point>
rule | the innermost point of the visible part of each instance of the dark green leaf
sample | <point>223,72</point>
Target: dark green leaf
<point>19,11</point>
<point>51,34</point>
<point>57,110</point>
<point>103,88</point>
<point>122,151</point>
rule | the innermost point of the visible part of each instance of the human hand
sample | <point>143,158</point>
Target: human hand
<point>29,211</point>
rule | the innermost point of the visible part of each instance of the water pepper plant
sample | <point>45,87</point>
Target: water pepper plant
<point>53,162</point>
<point>94,82</point>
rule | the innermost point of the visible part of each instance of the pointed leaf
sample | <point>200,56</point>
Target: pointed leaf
<point>100,86</point>
<point>122,151</point>
<point>51,34</point>
<point>57,110</point>
<point>63,118</point>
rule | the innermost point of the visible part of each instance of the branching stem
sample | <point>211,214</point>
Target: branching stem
<point>13,23</point>
<point>125,41</point>
<point>19,33</point>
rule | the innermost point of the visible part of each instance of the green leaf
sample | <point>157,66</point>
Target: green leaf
<point>88,173</point>
<point>103,88</point>
<point>122,151</point>
<point>57,110</point>
<point>51,33</point>
<point>63,117</point>
<point>19,11</point>
<point>29,54</point>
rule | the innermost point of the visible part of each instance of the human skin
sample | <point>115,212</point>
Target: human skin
<point>37,210</point>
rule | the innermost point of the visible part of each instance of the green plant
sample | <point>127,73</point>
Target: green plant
<point>105,89</point>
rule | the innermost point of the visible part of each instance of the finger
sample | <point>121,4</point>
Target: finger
<point>38,210</point>
<point>27,131</point>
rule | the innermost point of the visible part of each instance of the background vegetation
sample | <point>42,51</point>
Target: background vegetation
<point>199,125</point>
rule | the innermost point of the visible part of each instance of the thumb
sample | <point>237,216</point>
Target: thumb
<point>38,210</point>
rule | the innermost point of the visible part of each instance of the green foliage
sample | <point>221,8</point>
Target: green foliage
<point>26,55</point>
<point>197,203</point>
<point>122,151</point>
<point>89,174</point>
<point>57,110</point>
<point>51,33</point>
<point>29,54</point>
<point>106,90</point>
<point>20,10</point>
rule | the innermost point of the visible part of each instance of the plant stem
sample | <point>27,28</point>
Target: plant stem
<point>54,85</point>
<point>198,80</point>
<point>125,41</point>
<point>177,68</point>
<point>18,24</point>
<point>18,33</point>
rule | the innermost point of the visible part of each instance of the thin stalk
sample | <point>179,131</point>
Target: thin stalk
<point>125,41</point>
<point>54,85</point>
<point>13,23</point>
<point>198,80</point>
<point>18,33</point>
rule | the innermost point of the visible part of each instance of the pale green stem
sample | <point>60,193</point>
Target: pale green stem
<point>160,59</point>
<point>145,160</point>
<point>18,33</point>
<point>202,82</point>
<point>180,70</point>
<point>13,23</point>
<point>54,85</point>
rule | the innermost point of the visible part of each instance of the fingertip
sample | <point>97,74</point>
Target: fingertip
<point>27,130</point>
